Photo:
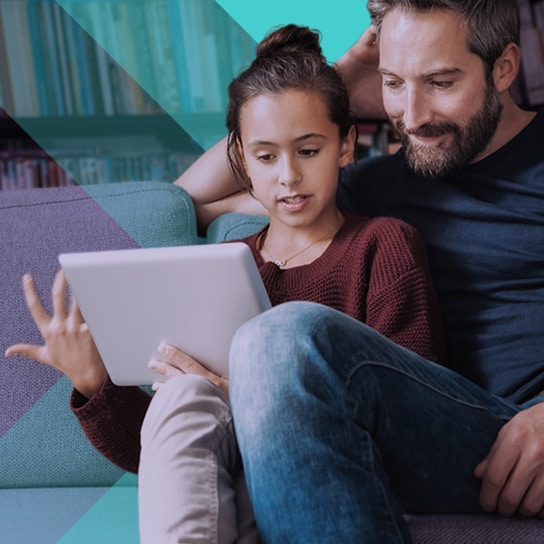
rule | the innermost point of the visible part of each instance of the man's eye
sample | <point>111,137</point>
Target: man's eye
<point>442,84</point>
<point>392,84</point>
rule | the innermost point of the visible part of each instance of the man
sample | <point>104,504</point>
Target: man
<point>342,431</point>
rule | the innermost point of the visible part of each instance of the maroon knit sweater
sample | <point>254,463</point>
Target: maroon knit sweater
<point>375,270</point>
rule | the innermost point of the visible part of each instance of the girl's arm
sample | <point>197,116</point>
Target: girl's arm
<point>402,303</point>
<point>112,420</point>
<point>213,188</point>
<point>110,416</point>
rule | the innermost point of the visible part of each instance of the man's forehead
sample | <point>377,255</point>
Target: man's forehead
<point>430,27</point>
<point>432,40</point>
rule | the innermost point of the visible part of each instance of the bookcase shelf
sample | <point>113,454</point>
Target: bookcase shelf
<point>101,82</point>
<point>109,90</point>
<point>162,126</point>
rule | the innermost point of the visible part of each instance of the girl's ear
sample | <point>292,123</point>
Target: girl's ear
<point>347,147</point>
<point>507,67</point>
<point>247,181</point>
<point>240,151</point>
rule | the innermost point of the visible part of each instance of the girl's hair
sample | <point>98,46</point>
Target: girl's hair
<point>491,24</point>
<point>289,58</point>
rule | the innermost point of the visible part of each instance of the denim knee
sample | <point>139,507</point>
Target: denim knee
<point>267,346</point>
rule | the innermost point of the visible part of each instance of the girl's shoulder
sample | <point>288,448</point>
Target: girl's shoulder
<point>380,227</point>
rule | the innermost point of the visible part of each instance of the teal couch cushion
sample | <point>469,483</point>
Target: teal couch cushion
<point>233,226</point>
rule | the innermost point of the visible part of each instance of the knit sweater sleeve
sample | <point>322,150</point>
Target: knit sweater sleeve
<point>401,300</point>
<point>112,420</point>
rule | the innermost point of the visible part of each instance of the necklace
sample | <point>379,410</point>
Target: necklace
<point>282,262</point>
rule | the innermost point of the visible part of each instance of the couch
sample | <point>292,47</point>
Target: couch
<point>54,487</point>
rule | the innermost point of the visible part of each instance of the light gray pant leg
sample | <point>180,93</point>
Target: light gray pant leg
<point>189,454</point>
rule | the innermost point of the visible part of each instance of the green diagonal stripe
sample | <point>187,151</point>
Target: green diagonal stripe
<point>340,23</point>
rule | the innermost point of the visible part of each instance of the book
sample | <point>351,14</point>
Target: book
<point>6,98</point>
<point>15,60</point>
<point>50,56</point>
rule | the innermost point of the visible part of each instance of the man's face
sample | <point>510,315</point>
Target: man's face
<point>435,91</point>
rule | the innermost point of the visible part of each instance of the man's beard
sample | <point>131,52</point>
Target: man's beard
<point>468,141</point>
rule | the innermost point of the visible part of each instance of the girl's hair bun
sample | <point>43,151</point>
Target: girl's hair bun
<point>290,39</point>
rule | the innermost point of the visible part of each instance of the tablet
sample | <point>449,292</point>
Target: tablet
<point>192,297</point>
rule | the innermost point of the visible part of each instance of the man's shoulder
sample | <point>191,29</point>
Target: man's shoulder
<point>375,168</point>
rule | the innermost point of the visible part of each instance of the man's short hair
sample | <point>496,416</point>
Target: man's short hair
<point>491,24</point>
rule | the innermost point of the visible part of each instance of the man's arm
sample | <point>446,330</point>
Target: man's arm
<point>359,69</point>
<point>214,189</point>
<point>513,471</point>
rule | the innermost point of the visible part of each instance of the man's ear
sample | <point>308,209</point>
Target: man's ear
<point>347,147</point>
<point>507,67</point>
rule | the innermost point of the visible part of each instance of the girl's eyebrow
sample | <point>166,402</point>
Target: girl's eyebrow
<point>302,138</point>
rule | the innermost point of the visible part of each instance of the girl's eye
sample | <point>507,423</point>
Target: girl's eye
<point>309,152</point>
<point>265,158</point>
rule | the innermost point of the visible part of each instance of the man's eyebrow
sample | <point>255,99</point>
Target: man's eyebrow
<point>432,73</point>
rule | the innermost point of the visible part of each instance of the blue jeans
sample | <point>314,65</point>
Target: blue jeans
<point>342,431</point>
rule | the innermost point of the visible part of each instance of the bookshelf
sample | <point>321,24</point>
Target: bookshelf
<point>530,85</point>
<point>116,90</point>
<point>112,90</point>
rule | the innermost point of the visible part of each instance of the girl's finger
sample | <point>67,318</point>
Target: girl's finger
<point>33,302</point>
<point>75,311</point>
<point>59,295</point>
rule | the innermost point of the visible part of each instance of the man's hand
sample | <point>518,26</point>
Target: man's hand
<point>513,471</point>
<point>359,69</point>
<point>174,362</point>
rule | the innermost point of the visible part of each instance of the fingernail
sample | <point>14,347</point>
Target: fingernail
<point>152,365</point>
<point>163,348</point>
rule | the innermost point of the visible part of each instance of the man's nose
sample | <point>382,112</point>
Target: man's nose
<point>417,110</point>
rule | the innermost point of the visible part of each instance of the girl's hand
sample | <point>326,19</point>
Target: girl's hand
<point>174,362</point>
<point>68,345</point>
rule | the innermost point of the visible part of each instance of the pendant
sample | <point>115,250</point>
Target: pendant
<point>279,263</point>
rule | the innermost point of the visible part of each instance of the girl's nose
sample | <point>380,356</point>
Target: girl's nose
<point>289,174</point>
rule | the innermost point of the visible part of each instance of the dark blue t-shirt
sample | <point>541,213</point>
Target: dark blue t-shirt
<point>484,228</point>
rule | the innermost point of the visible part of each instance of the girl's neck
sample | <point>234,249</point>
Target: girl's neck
<point>289,246</point>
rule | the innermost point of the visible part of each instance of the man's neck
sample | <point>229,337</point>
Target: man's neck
<point>513,121</point>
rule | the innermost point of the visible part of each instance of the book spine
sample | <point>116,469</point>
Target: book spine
<point>142,50</point>
<point>7,100</point>
<point>194,55</point>
<point>36,40</point>
<point>59,20</point>
<point>55,77</point>
<point>180,54</point>
<point>15,60</point>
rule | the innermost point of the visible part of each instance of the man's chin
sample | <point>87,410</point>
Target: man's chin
<point>430,167</point>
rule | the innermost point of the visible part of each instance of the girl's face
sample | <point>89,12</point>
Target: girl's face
<point>292,152</point>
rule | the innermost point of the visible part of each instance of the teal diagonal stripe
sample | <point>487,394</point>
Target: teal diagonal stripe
<point>182,53</point>
<point>340,23</point>
<point>113,519</point>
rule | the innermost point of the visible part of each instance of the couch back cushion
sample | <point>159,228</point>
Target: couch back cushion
<point>41,443</point>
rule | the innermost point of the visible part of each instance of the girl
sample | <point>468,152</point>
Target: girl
<point>290,130</point>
